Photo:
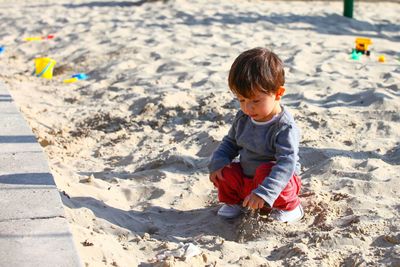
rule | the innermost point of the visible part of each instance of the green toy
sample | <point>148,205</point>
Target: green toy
<point>355,55</point>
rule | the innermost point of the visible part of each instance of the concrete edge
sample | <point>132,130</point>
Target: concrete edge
<point>33,228</point>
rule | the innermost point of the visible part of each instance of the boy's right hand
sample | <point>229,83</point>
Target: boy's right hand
<point>216,176</point>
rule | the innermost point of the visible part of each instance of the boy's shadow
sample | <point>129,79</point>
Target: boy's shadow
<point>162,224</point>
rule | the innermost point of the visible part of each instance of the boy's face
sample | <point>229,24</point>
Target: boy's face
<point>261,106</point>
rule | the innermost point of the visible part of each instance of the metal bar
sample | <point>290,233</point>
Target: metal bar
<point>348,8</point>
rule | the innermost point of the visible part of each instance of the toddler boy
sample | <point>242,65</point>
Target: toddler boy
<point>266,139</point>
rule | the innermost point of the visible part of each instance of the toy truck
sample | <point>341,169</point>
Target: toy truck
<point>362,45</point>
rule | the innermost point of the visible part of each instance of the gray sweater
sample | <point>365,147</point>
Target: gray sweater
<point>256,143</point>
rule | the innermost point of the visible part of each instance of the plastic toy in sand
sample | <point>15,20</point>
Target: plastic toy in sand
<point>44,67</point>
<point>2,49</point>
<point>355,55</point>
<point>362,45</point>
<point>381,58</point>
<point>39,38</point>
<point>76,77</point>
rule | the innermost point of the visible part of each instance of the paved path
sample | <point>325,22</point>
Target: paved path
<point>33,228</point>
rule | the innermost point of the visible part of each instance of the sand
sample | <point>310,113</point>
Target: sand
<point>129,146</point>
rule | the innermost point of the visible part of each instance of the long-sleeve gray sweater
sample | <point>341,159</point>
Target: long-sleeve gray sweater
<point>256,143</point>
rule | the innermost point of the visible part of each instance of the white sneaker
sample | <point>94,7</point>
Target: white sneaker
<point>288,216</point>
<point>230,211</point>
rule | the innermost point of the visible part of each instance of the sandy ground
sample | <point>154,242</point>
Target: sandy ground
<point>129,146</point>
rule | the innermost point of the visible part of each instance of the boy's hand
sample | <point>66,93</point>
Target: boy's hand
<point>253,201</point>
<point>216,176</point>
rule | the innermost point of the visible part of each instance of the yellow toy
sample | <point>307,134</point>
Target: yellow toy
<point>44,67</point>
<point>381,58</point>
<point>362,45</point>
<point>38,38</point>
<point>71,80</point>
<point>76,77</point>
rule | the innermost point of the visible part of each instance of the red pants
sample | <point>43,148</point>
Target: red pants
<point>237,186</point>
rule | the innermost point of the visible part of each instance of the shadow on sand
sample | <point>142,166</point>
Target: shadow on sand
<point>113,3</point>
<point>163,224</point>
<point>325,23</point>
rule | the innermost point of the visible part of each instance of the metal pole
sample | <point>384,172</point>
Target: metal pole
<point>348,8</point>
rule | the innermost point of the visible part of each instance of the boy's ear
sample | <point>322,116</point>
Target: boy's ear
<point>279,93</point>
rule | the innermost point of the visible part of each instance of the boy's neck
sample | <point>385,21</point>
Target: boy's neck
<point>277,109</point>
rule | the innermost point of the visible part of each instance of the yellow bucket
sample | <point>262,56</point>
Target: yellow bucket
<point>44,67</point>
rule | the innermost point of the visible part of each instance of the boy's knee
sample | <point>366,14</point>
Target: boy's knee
<point>232,170</point>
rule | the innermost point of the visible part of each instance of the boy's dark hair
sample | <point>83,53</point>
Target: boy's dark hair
<point>257,69</point>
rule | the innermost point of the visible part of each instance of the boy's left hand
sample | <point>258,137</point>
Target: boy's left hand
<point>253,201</point>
